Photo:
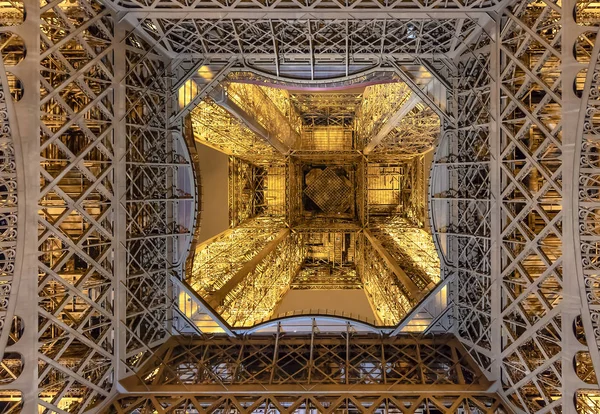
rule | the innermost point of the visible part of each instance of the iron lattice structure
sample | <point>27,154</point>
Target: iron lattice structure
<point>318,193</point>
<point>100,202</point>
<point>346,362</point>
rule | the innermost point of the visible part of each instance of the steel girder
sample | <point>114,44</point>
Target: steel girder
<point>312,47</point>
<point>286,362</point>
<point>589,240</point>
<point>11,175</point>
<point>279,374</point>
<point>104,196</point>
<point>225,7</point>
<point>446,403</point>
<point>540,278</point>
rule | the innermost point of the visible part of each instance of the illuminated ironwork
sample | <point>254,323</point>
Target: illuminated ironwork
<point>222,256</point>
<point>215,127</point>
<point>281,361</point>
<point>194,372</point>
<point>322,190</point>
<point>414,246</point>
<point>259,105</point>
<point>254,298</point>
<point>378,104</point>
<point>384,284</point>
<point>93,103</point>
<point>416,133</point>
<point>256,190</point>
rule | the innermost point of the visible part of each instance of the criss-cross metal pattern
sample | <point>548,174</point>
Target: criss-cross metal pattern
<point>339,362</point>
<point>588,56</point>
<point>91,131</point>
<point>531,172</point>
<point>317,4</point>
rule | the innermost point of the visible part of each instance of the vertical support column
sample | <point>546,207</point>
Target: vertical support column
<point>571,301</point>
<point>119,203</point>
<point>452,130</point>
<point>427,162</point>
<point>495,205</point>
<point>28,152</point>
<point>587,203</point>
<point>170,206</point>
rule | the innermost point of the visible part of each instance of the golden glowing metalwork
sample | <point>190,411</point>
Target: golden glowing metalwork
<point>218,259</point>
<point>215,127</point>
<point>187,92</point>
<point>388,298</point>
<point>281,99</point>
<point>415,134</point>
<point>244,272</point>
<point>379,103</point>
<point>328,138</point>
<point>415,246</point>
<point>588,401</point>
<point>254,299</point>
<point>256,102</point>
<point>12,13</point>
<point>255,190</point>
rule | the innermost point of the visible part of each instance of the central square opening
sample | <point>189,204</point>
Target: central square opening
<point>328,191</point>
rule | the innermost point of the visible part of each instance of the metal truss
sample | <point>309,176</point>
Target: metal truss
<point>254,298</point>
<point>459,207</point>
<point>588,361</point>
<point>513,205</point>
<point>413,247</point>
<point>315,48</point>
<point>12,53</point>
<point>104,198</point>
<point>285,362</point>
<point>238,278</point>
<point>388,288</point>
<point>416,133</point>
<point>406,403</point>
<point>327,5</point>
<point>260,111</point>
<point>225,254</point>
<point>415,201</point>
<point>589,53</point>
<point>76,359</point>
<point>377,109</point>
<point>11,325</point>
<point>326,109</point>
<point>215,127</point>
<point>256,190</point>
<point>325,277</point>
<point>532,216</point>
<point>379,101</point>
<point>158,186</point>
<point>246,198</point>
<point>283,365</point>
